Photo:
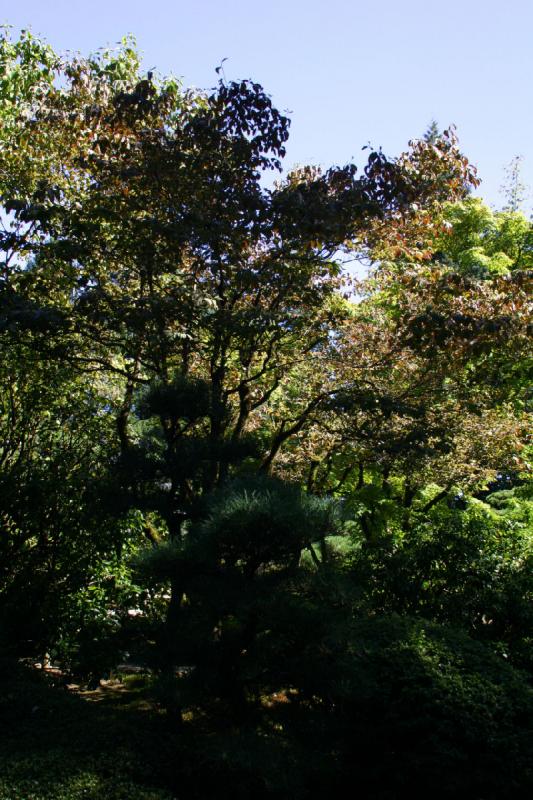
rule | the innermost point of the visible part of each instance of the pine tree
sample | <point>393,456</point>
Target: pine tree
<point>433,132</point>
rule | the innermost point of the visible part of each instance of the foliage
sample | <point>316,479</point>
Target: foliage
<point>442,713</point>
<point>297,498</point>
<point>54,437</point>
<point>240,598</point>
<point>514,191</point>
<point>467,567</point>
<point>481,242</point>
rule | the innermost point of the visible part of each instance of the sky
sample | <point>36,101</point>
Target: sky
<point>349,72</point>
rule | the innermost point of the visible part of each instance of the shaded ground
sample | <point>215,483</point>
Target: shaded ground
<point>62,741</point>
<point>64,744</point>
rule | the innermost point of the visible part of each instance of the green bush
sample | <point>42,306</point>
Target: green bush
<point>469,569</point>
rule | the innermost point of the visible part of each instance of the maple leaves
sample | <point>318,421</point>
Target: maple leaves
<point>428,176</point>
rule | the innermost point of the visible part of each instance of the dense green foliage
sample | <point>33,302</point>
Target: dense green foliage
<point>299,504</point>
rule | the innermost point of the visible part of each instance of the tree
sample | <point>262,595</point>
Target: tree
<point>169,269</point>
<point>56,430</point>
<point>484,243</point>
<point>432,134</point>
<point>513,189</point>
<point>174,263</point>
<point>184,360</point>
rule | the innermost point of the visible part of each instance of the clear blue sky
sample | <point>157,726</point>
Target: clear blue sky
<point>350,72</point>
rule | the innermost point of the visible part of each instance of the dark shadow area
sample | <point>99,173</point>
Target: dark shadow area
<point>60,746</point>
